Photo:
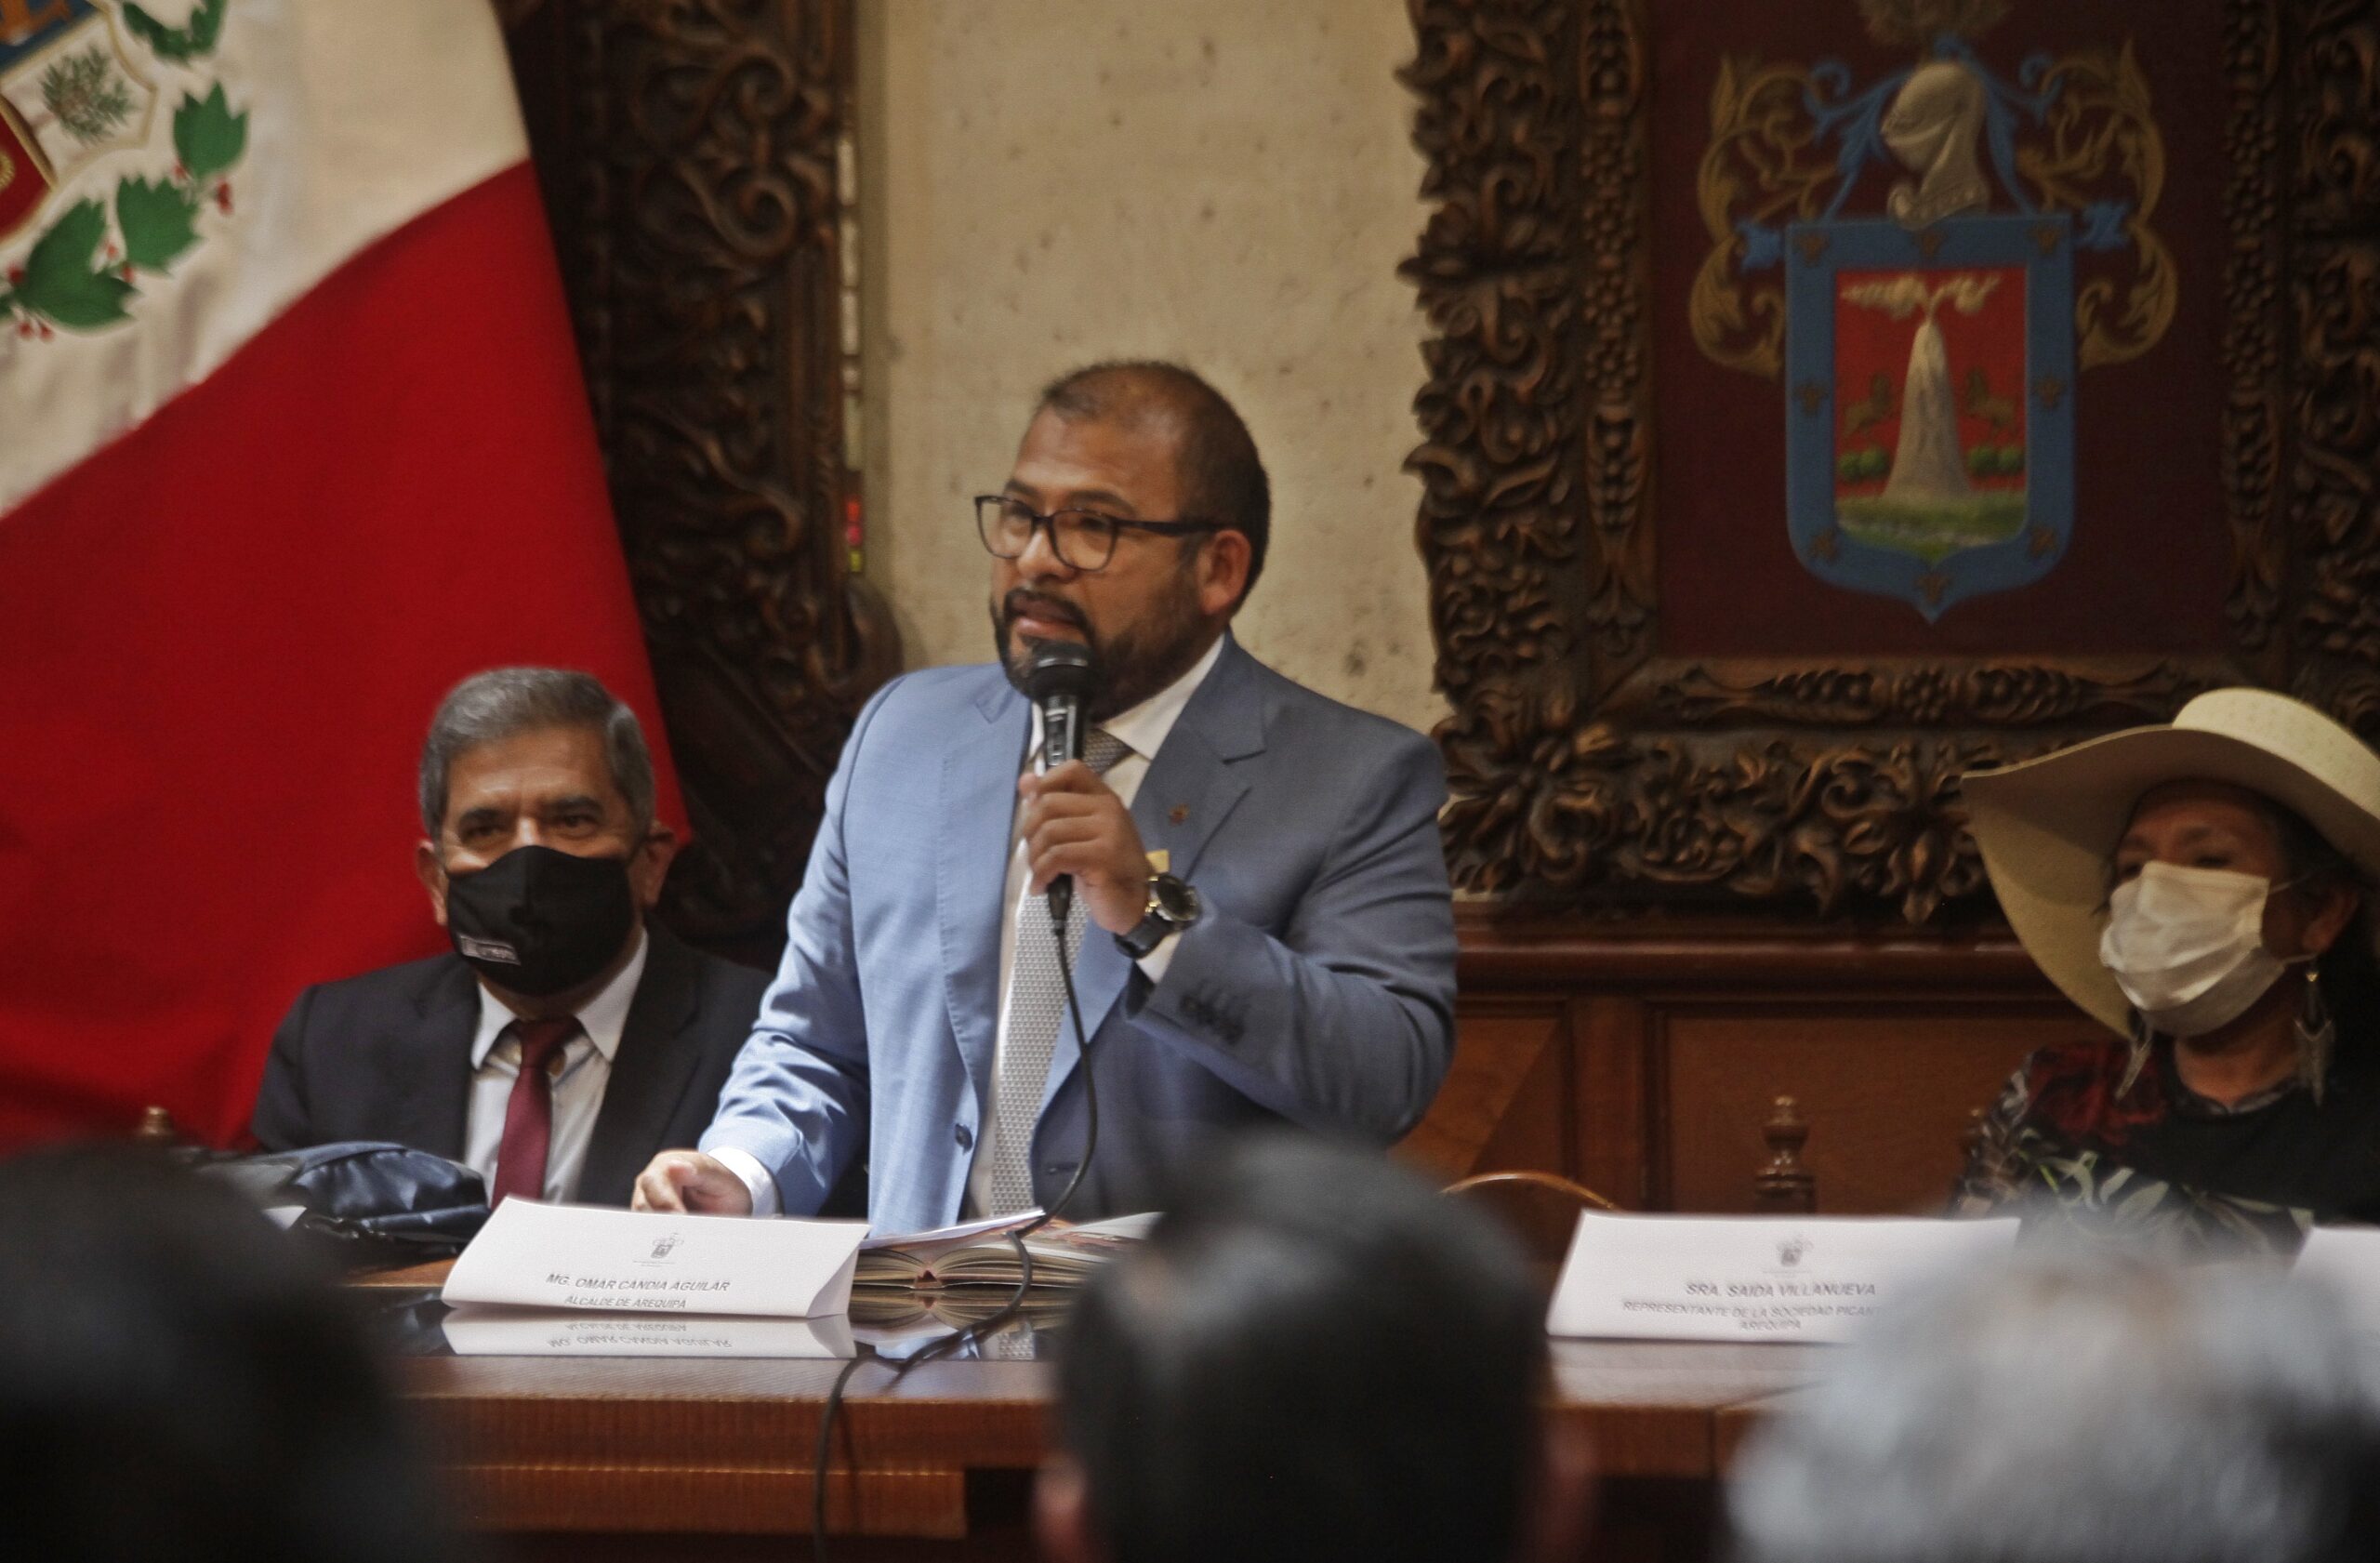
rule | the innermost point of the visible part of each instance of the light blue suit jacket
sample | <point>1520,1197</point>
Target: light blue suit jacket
<point>1317,987</point>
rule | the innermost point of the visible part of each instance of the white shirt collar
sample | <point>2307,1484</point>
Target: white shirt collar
<point>602,1017</point>
<point>1143,728</point>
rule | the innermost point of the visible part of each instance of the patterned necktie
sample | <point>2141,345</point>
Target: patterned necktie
<point>529,1114</point>
<point>1037,1006</point>
<point>1012,1343</point>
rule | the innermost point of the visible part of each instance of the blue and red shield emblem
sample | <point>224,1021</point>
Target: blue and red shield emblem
<point>1925,262</point>
<point>1930,404</point>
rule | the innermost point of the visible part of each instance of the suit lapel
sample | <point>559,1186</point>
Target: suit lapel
<point>650,1070</point>
<point>1190,790</point>
<point>430,1070</point>
<point>1194,784</point>
<point>977,819</point>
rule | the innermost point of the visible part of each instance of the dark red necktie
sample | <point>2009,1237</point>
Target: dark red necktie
<point>529,1116</point>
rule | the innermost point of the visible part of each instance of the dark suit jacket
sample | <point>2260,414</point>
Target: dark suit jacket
<point>388,1056</point>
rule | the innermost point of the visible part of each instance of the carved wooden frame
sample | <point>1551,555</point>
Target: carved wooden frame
<point>696,161</point>
<point>1585,768</point>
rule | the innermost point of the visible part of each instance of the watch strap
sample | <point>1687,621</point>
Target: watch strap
<point>1156,925</point>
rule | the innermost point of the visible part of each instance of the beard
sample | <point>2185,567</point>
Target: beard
<point>1132,663</point>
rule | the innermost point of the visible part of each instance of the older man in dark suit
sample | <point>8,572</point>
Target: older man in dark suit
<point>568,1037</point>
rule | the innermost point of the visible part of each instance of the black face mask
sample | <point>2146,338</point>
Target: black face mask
<point>540,921</point>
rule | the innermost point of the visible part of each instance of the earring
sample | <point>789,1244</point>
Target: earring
<point>2317,1033</point>
<point>2138,1058</point>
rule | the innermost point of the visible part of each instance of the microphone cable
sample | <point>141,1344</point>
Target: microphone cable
<point>822,1466</point>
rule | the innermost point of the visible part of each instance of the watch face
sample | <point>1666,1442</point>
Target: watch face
<point>1175,901</point>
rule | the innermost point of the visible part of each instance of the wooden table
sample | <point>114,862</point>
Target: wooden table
<point>618,1457</point>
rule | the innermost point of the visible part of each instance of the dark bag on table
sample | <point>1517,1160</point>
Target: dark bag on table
<point>365,1201</point>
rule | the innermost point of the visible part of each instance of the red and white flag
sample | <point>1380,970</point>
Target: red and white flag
<point>291,437</point>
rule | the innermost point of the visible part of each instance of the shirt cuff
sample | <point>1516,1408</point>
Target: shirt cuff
<point>748,1168</point>
<point>1153,963</point>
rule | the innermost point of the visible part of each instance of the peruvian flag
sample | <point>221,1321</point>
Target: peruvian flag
<point>292,438</point>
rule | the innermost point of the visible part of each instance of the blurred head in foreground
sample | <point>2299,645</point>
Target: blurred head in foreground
<point>1316,1355</point>
<point>176,1384</point>
<point>2080,1411</point>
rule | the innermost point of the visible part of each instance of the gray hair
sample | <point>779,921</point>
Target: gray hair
<point>504,702</point>
<point>2077,1409</point>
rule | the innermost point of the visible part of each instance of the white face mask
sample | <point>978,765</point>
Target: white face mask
<point>2188,946</point>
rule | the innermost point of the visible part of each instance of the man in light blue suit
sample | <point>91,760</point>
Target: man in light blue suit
<point>1260,898</point>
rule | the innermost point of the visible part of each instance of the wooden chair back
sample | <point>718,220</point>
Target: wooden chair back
<point>1541,1210</point>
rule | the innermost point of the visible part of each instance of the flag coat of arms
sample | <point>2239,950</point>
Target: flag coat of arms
<point>1929,262</point>
<point>292,438</point>
<point>69,93</point>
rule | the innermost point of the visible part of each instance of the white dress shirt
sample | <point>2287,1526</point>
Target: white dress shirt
<point>577,1087</point>
<point>1142,732</point>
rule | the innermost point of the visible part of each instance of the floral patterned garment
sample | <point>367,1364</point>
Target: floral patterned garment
<point>2163,1168</point>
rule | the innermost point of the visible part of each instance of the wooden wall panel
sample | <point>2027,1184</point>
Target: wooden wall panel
<point>1885,1090</point>
<point>1642,1060</point>
<point>1503,1102</point>
<point>1612,1154</point>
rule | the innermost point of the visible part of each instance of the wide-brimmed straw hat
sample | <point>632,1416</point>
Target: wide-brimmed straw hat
<point>2048,828</point>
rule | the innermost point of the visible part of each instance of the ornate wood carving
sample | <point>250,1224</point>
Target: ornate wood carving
<point>1588,770</point>
<point>2333,249</point>
<point>2252,464</point>
<point>691,156</point>
<point>1504,467</point>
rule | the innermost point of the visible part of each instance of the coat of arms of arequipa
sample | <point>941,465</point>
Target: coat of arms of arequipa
<point>1927,261</point>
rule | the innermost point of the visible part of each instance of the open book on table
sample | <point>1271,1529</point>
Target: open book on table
<point>894,1313</point>
<point>984,1254</point>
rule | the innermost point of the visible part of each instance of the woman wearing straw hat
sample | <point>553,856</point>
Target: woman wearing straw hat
<point>2204,889</point>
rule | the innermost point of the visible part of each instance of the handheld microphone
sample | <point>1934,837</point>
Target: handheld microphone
<point>1059,678</point>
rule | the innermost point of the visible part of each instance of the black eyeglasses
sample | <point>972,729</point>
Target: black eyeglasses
<point>1082,539</point>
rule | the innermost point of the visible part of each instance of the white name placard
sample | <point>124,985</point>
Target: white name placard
<point>493,1330</point>
<point>584,1257</point>
<point>2346,1259</point>
<point>1752,1278</point>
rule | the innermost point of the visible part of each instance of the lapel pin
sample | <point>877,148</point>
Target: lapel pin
<point>1179,812</point>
